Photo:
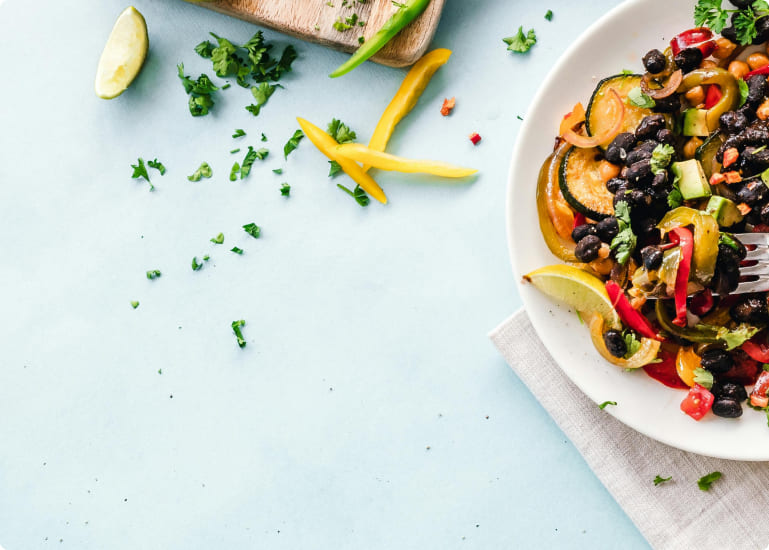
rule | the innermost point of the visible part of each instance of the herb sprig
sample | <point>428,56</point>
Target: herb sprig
<point>709,13</point>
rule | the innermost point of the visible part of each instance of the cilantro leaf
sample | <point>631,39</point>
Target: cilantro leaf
<point>706,481</point>
<point>340,131</point>
<point>521,43</point>
<point>134,304</point>
<point>153,274</point>
<point>236,326</point>
<point>223,57</point>
<point>264,138</point>
<point>703,377</point>
<point>745,26</point>
<point>285,189</point>
<point>658,480</point>
<point>359,194</point>
<point>140,171</point>
<point>743,86</point>
<point>334,169</point>
<point>636,97</point>
<point>277,171</point>
<point>624,243</point>
<point>195,265</point>
<point>675,198</point>
<point>340,25</point>
<point>292,143</point>
<point>661,157</point>
<point>199,90</point>
<point>261,94</point>
<point>549,15</point>
<point>204,49</point>
<point>738,336</point>
<point>234,172</point>
<point>252,229</point>
<point>219,239</point>
<point>157,165</point>
<point>708,13</point>
<point>239,132</point>
<point>237,250</point>
<point>204,171</point>
<point>248,161</point>
<point>283,65</point>
<point>605,404</point>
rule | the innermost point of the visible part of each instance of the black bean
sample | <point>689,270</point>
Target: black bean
<point>668,104</point>
<point>762,30</point>
<point>716,361</point>
<point>652,257</point>
<point>666,136</point>
<point>582,231</point>
<point>619,148</point>
<point>729,255</point>
<point>660,181</point>
<point>649,126</point>
<point>734,140</point>
<point>615,343</point>
<point>607,229</point>
<point>753,192</point>
<point>727,408</point>
<point>750,309</point>
<point>646,227</point>
<point>654,61</point>
<point>688,59</point>
<point>730,391</point>
<point>725,280</point>
<point>756,89</point>
<point>614,185</point>
<point>741,4</point>
<point>753,160</point>
<point>730,33</point>
<point>587,248</point>
<point>639,170</point>
<point>733,122</point>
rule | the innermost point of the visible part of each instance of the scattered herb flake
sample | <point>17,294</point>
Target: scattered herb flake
<point>261,94</point>
<point>549,15</point>
<point>285,190</point>
<point>235,171</point>
<point>264,138</point>
<point>239,132</point>
<point>334,169</point>
<point>204,171</point>
<point>636,97</point>
<point>204,49</point>
<point>743,86</point>
<point>340,131</point>
<point>153,274</point>
<point>520,42</point>
<point>250,158</point>
<point>219,239</point>
<point>200,92</point>
<point>277,171</point>
<point>252,229</point>
<point>140,171</point>
<point>134,304</point>
<point>706,481</point>
<point>236,326</point>
<point>605,404</point>
<point>659,480</point>
<point>292,143</point>
<point>195,265</point>
<point>157,165</point>
<point>232,152</point>
<point>359,194</point>
<point>236,250</point>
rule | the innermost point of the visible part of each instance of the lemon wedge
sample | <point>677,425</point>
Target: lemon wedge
<point>123,55</point>
<point>581,290</point>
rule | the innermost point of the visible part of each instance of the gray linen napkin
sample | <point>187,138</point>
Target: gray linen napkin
<point>674,515</point>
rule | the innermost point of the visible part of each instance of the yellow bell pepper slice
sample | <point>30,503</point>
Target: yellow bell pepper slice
<point>686,363</point>
<point>327,145</point>
<point>706,236</point>
<point>407,96</point>
<point>384,161</point>
<point>645,354</point>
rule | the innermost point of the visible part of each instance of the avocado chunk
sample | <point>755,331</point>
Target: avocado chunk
<point>696,123</point>
<point>691,179</point>
<point>724,211</point>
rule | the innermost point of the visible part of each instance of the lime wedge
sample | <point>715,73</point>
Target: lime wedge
<point>581,290</point>
<point>123,55</point>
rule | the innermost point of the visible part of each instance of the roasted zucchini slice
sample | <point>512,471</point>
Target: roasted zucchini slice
<point>601,110</point>
<point>582,185</point>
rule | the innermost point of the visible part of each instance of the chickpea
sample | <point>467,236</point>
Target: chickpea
<point>763,110</point>
<point>708,64</point>
<point>696,95</point>
<point>724,48</point>
<point>608,170</point>
<point>738,69</point>
<point>757,60</point>
<point>690,148</point>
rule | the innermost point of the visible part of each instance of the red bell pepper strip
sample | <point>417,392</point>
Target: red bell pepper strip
<point>713,96</point>
<point>629,316</point>
<point>756,351</point>
<point>761,70</point>
<point>697,402</point>
<point>683,238</point>
<point>702,303</point>
<point>758,397</point>
<point>579,219</point>
<point>700,37</point>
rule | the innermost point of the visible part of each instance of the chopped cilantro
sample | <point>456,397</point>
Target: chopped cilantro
<point>285,190</point>
<point>219,239</point>
<point>292,143</point>
<point>206,258</point>
<point>706,481</point>
<point>235,171</point>
<point>520,42</point>
<point>359,194</point>
<point>549,15</point>
<point>709,13</point>
<point>204,49</point>
<point>233,151</point>
<point>658,480</point>
<point>134,304</point>
<point>157,165</point>
<point>250,158</point>
<point>261,94</point>
<point>239,132</point>
<point>675,198</point>
<point>204,171</point>
<point>605,404</point>
<point>236,250</point>
<point>153,274</point>
<point>661,157</point>
<point>624,243</point>
<point>200,92</point>
<point>340,131</point>
<point>236,326</point>
<point>703,377</point>
<point>743,86</point>
<point>335,169</point>
<point>341,26</point>
<point>140,171</point>
<point>223,57</point>
<point>195,265</point>
<point>252,229</point>
<point>636,97</point>
<point>264,138</point>
<point>278,171</point>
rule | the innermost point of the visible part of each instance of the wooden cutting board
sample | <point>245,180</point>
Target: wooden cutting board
<point>313,20</point>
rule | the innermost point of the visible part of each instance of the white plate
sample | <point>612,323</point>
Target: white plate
<point>617,41</point>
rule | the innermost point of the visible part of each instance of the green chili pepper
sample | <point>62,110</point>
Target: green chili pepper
<point>407,12</point>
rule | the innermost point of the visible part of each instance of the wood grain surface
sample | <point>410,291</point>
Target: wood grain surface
<point>313,20</point>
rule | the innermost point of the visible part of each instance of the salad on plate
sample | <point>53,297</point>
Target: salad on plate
<point>645,197</point>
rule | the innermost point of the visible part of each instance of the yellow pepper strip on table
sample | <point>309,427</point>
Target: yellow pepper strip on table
<point>407,96</point>
<point>384,161</point>
<point>327,145</point>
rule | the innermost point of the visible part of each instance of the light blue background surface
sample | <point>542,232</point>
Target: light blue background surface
<point>369,409</point>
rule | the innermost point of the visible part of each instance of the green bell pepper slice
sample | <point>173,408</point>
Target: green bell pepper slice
<point>705,238</point>
<point>730,91</point>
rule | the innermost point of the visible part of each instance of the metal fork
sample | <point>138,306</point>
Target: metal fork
<point>754,277</point>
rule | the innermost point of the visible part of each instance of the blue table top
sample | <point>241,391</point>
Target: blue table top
<point>369,408</point>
